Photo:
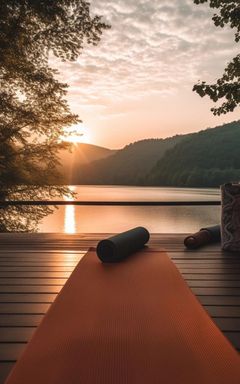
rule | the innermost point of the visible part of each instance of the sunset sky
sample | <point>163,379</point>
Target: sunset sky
<point>137,83</point>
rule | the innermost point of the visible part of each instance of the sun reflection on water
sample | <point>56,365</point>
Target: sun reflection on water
<point>70,217</point>
<point>107,219</point>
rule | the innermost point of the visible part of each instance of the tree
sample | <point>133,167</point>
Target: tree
<point>33,109</point>
<point>228,86</point>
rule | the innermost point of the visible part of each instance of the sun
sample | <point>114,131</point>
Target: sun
<point>77,134</point>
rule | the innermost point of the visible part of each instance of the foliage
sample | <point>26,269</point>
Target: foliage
<point>204,159</point>
<point>228,86</point>
<point>25,218</point>
<point>33,109</point>
<point>128,166</point>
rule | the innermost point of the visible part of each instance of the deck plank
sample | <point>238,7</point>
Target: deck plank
<point>34,268</point>
<point>24,320</point>
<point>5,368</point>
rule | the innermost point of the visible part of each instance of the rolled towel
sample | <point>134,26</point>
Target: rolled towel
<point>204,236</point>
<point>119,247</point>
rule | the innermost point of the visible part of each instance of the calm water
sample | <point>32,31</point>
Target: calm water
<point>83,219</point>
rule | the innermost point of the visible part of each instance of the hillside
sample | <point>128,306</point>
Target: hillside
<point>127,166</point>
<point>204,159</point>
<point>80,155</point>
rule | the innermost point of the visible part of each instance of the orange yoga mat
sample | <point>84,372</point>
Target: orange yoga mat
<point>134,322</point>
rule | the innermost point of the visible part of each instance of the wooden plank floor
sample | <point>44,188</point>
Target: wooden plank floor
<point>34,267</point>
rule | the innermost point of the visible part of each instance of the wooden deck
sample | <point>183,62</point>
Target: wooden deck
<point>34,267</point>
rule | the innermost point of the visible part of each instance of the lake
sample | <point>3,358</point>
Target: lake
<point>99,219</point>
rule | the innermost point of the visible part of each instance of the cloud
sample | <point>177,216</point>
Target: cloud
<point>153,49</point>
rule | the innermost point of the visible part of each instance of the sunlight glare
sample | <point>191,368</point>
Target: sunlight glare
<point>77,134</point>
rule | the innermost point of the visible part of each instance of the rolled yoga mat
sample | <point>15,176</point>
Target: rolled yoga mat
<point>120,246</point>
<point>133,322</point>
<point>204,236</point>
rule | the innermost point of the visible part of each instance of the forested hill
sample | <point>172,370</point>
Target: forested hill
<point>204,159</point>
<point>80,155</point>
<point>127,166</point>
